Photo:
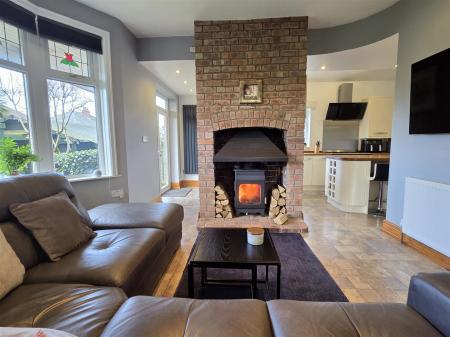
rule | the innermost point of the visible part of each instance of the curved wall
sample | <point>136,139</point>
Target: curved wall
<point>423,31</point>
<point>356,34</point>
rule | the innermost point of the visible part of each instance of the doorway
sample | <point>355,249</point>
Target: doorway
<point>163,143</point>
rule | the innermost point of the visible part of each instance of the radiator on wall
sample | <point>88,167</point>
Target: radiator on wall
<point>426,213</point>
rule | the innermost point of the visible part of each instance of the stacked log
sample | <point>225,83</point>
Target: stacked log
<point>223,205</point>
<point>277,207</point>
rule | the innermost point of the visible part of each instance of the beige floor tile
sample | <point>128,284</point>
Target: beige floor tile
<point>367,264</point>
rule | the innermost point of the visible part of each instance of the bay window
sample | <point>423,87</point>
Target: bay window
<point>55,96</point>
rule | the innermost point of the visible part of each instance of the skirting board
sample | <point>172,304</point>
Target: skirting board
<point>175,185</point>
<point>184,183</point>
<point>157,199</point>
<point>396,232</point>
<point>392,229</point>
<point>189,183</point>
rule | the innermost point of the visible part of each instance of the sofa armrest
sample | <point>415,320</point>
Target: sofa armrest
<point>429,295</point>
<point>167,217</point>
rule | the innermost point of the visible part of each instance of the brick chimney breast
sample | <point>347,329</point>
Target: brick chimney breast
<point>272,50</point>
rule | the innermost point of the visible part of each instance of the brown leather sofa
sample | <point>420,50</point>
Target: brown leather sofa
<point>133,246</point>
<point>88,311</point>
<point>88,296</point>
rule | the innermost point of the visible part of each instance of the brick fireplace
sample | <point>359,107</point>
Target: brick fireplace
<point>271,50</point>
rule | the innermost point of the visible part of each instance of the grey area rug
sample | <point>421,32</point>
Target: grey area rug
<point>303,277</point>
<point>180,192</point>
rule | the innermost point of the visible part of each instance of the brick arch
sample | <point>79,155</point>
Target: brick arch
<point>250,122</point>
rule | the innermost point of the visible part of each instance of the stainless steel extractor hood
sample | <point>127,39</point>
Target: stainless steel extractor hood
<point>346,109</point>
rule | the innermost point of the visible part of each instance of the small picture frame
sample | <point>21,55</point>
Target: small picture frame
<point>251,92</point>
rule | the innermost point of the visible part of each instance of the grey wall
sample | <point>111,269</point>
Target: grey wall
<point>165,48</point>
<point>424,30</point>
<point>359,33</point>
<point>134,111</point>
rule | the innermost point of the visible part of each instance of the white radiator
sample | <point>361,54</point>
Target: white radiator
<point>426,213</point>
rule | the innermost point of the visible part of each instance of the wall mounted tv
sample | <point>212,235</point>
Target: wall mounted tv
<point>430,95</point>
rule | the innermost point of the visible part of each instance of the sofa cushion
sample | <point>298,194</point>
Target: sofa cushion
<point>153,316</point>
<point>388,319</point>
<point>113,258</point>
<point>77,309</point>
<point>11,269</point>
<point>23,243</point>
<point>429,295</point>
<point>167,217</point>
<point>31,187</point>
<point>309,319</point>
<point>55,223</point>
<point>312,319</point>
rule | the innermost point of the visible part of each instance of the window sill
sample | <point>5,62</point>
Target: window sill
<point>81,179</point>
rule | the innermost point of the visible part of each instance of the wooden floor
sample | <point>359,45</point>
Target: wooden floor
<point>367,264</point>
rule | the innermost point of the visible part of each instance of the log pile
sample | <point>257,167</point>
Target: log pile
<point>277,207</point>
<point>223,205</point>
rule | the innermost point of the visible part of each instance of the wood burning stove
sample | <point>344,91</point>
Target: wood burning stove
<point>249,191</point>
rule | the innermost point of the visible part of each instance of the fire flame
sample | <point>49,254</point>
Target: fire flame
<point>249,193</point>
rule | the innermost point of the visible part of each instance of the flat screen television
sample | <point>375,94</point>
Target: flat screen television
<point>430,95</point>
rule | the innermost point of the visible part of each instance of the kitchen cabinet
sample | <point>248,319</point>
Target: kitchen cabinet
<point>377,121</point>
<point>314,171</point>
<point>347,184</point>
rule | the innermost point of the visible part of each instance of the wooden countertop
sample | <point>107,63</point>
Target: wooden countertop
<point>379,157</point>
<point>311,153</point>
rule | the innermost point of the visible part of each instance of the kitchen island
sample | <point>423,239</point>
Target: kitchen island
<point>347,180</point>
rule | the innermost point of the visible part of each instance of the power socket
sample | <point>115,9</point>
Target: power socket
<point>117,194</point>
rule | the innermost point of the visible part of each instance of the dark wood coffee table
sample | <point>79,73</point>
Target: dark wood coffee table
<point>228,249</point>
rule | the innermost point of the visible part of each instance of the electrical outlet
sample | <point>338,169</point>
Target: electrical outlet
<point>145,139</point>
<point>117,194</point>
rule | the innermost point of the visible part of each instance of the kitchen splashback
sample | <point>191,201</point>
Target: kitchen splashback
<point>340,136</point>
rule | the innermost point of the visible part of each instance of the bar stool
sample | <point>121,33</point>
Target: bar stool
<point>381,174</point>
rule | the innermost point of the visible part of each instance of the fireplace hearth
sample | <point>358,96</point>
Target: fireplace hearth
<point>249,192</point>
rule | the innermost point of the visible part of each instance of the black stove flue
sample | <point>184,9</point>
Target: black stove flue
<point>249,191</point>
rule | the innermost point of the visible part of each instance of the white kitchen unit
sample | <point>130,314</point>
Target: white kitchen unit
<point>377,121</point>
<point>314,172</point>
<point>348,184</point>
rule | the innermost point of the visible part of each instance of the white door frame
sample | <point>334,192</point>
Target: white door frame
<point>165,113</point>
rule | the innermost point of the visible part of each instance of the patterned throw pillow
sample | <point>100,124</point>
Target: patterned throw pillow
<point>32,332</point>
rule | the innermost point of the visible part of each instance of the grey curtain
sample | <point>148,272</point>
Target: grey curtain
<point>190,139</point>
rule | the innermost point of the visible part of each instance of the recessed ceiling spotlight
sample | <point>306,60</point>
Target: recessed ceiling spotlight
<point>323,67</point>
<point>177,71</point>
<point>396,66</point>
<point>185,82</point>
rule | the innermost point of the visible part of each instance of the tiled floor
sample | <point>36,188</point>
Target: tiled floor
<point>366,263</point>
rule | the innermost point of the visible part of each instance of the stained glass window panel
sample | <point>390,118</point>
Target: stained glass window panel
<point>68,59</point>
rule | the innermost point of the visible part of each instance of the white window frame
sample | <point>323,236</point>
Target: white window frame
<point>38,108</point>
<point>308,121</point>
<point>164,112</point>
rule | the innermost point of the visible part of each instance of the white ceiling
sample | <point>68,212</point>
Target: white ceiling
<point>374,62</point>
<point>166,71</point>
<point>148,18</point>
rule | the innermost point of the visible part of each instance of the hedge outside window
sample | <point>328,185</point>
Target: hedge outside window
<point>55,97</point>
